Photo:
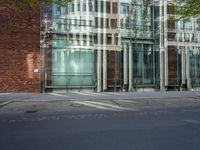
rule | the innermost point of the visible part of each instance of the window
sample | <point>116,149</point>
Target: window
<point>80,68</point>
<point>114,8</point>
<point>66,9</point>
<point>96,22</point>
<point>107,7</point>
<point>75,22</point>
<point>58,11</point>
<point>109,38</point>
<point>72,7</point>
<point>101,38</point>
<point>90,6</point>
<point>90,23</point>
<point>116,38</point>
<point>113,23</point>
<point>96,6</point>
<point>95,38</point>
<point>124,9</point>
<point>99,22</point>
<point>84,6</point>
<point>84,42</point>
<point>107,23</point>
<point>101,6</point>
<point>143,64</point>
<point>83,22</point>
<point>78,7</point>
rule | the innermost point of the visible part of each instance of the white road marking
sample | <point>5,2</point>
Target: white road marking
<point>108,105</point>
<point>87,94</point>
<point>114,93</point>
<point>100,94</point>
<point>91,94</point>
<point>101,105</point>
<point>95,106</point>
<point>192,121</point>
<point>127,101</point>
<point>60,95</point>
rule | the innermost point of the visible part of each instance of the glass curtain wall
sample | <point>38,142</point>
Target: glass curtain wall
<point>96,45</point>
<point>188,57</point>
<point>73,59</point>
<point>143,34</point>
<point>143,64</point>
<point>194,58</point>
<point>142,18</point>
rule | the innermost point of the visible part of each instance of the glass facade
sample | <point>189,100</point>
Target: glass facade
<point>73,59</point>
<point>73,68</point>
<point>194,63</point>
<point>118,45</point>
<point>143,64</point>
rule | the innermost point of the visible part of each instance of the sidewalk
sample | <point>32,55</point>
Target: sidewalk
<point>95,96</point>
<point>22,103</point>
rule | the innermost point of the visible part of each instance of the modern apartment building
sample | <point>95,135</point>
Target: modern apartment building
<point>114,45</point>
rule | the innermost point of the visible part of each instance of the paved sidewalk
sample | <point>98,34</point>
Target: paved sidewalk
<point>95,96</point>
<point>20,103</point>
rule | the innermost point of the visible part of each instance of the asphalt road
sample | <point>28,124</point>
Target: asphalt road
<point>177,129</point>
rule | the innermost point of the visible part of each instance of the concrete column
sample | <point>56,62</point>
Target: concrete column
<point>187,69</point>
<point>104,15</point>
<point>162,70</point>
<point>183,68</point>
<point>99,79</point>
<point>162,46</point>
<point>130,67</point>
<point>104,69</point>
<point>125,64</point>
<point>166,67</point>
<point>165,41</point>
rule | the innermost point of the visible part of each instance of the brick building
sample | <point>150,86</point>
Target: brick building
<point>19,49</point>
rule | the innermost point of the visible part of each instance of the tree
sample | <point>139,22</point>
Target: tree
<point>24,3</point>
<point>188,8</point>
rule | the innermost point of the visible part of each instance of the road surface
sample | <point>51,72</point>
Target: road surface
<point>168,129</point>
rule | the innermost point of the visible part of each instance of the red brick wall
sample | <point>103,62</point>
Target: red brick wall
<point>19,50</point>
<point>172,67</point>
<point>113,68</point>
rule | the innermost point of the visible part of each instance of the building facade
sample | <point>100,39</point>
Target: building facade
<point>107,45</point>
<point>120,45</point>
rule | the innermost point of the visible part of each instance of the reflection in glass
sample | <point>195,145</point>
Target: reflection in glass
<point>143,65</point>
<point>73,68</point>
